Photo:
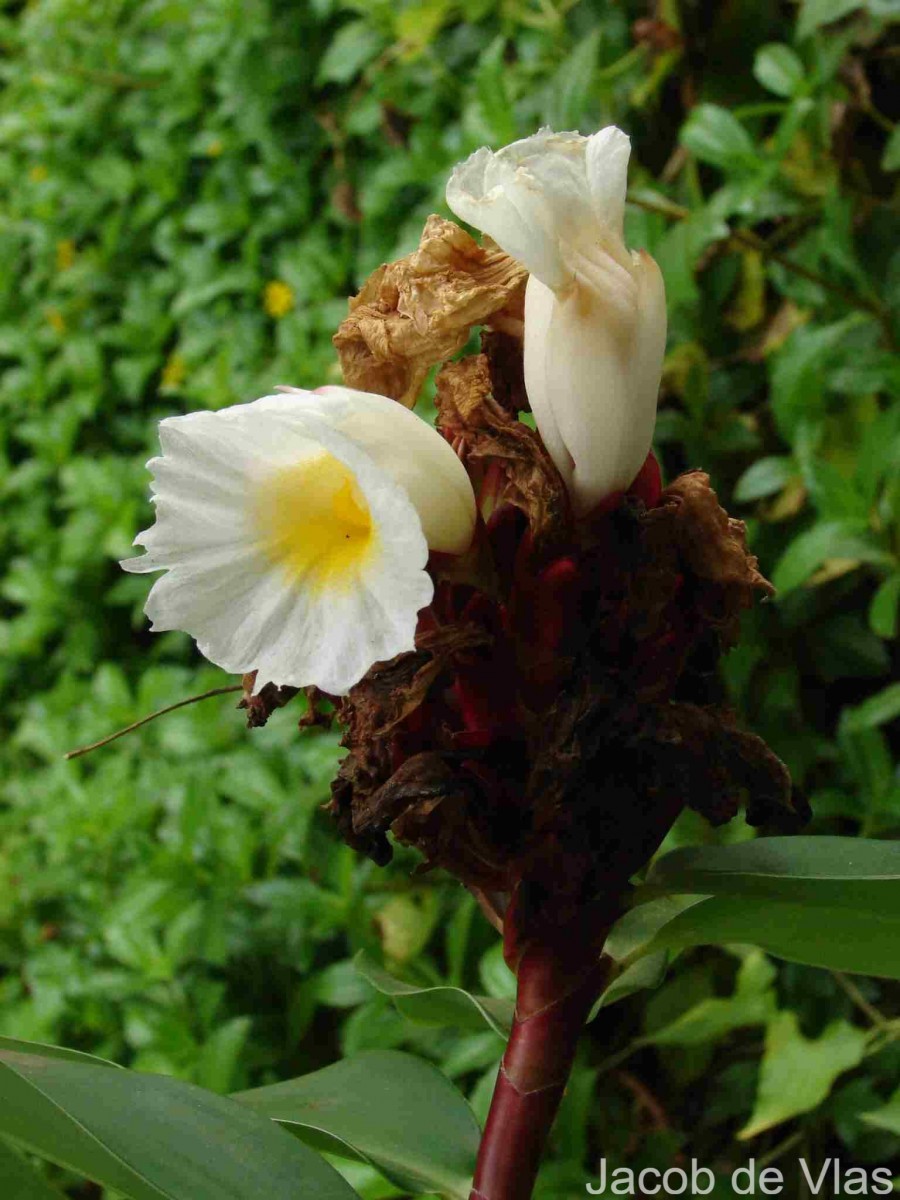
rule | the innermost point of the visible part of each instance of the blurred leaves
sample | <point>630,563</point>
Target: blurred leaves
<point>797,1073</point>
<point>178,902</point>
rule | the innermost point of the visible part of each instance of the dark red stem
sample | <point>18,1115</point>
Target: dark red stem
<point>556,991</point>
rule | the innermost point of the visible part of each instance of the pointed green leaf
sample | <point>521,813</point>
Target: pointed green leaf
<point>797,1072</point>
<point>887,1117</point>
<point>765,477</point>
<point>440,1005</point>
<point>857,873</point>
<point>880,709</point>
<point>150,1137</point>
<point>638,929</point>
<point>43,1050</point>
<point>840,939</point>
<point>829,539</point>
<point>884,612</point>
<point>779,69</point>
<point>394,1111</point>
<point>644,974</point>
<point>718,137</point>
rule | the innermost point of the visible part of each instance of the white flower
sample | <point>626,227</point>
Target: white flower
<point>595,313</point>
<point>294,532</point>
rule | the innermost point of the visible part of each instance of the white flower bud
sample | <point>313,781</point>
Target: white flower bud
<point>595,313</point>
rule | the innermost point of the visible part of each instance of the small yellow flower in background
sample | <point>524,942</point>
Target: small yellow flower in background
<point>278,299</point>
<point>38,173</point>
<point>174,372</point>
<point>65,254</point>
<point>215,148</point>
<point>56,320</point>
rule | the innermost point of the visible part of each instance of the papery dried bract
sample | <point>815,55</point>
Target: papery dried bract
<point>417,312</point>
<point>491,438</point>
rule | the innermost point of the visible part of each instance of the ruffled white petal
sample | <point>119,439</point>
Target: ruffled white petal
<point>413,454</point>
<point>546,195</point>
<point>250,611</point>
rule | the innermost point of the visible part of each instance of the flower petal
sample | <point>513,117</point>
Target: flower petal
<point>607,154</point>
<point>249,610</point>
<point>595,320</point>
<point>414,454</point>
<point>547,195</point>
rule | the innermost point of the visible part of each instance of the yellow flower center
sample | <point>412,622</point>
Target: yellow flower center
<point>315,522</point>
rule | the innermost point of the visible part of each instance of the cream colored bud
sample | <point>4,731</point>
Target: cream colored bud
<point>595,313</point>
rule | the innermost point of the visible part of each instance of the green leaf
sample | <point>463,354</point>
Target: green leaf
<point>887,1117</point>
<point>753,1003</point>
<point>884,611</point>
<point>221,1052</point>
<point>440,1005</point>
<point>42,1050</point>
<point>834,496</point>
<point>854,873</point>
<point>801,369</point>
<point>797,1073</point>
<point>717,137</point>
<point>570,89</point>
<point>816,13</point>
<point>645,974</point>
<point>891,159</point>
<point>638,928</point>
<point>20,1180</point>
<point>394,1111</point>
<point>352,47</point>
<point>492,86</point>
<point>837,938</point>
<point>878,710</point>
<point>149,1136</point>
<point>779,69</point>
<point>827,540</point>
<point>496,977</point>
<point>764,478</point>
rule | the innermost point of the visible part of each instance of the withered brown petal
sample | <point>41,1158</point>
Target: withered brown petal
<point>416,312</point>
<point>260,707</point>
<point>488,434</point>
<point>714,546</point>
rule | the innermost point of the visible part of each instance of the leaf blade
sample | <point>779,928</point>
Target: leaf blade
<point>397,1112</point>
<point>150,1136</point>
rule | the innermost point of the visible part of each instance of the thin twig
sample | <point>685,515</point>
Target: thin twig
<point>221,691</point>
<point>746,237</point>
<point>780,1150</point>
<point>878,1019</point>
<point>646,1099</point>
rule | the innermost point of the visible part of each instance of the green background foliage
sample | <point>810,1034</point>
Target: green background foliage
<point>178,902</point>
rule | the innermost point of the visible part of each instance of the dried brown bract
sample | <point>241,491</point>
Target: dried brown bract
<point>260,707</point>
<point>416,312</point>
<point>498,448</point>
